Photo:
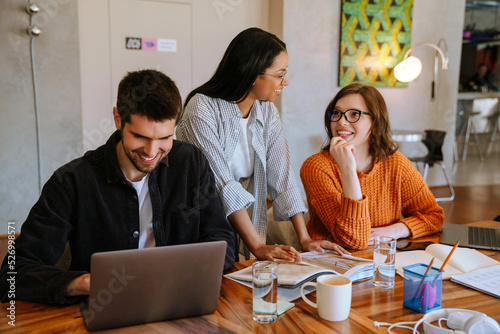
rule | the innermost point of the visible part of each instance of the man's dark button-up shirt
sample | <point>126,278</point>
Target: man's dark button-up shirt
<point>89,203</point>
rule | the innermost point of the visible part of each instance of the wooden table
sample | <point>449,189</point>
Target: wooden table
<point>234,313</point>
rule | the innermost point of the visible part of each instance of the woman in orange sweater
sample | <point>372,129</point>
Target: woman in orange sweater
<point>359,186</point>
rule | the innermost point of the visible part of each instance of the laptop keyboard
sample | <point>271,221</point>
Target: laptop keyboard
<point>489,237</point>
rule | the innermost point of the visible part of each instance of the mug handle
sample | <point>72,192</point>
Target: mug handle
<point>304,296</point>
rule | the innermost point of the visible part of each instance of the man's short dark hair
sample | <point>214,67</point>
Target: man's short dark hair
<point>148,93</point>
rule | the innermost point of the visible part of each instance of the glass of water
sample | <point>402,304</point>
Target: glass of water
<point>384,262</point>
<point>265,291</point>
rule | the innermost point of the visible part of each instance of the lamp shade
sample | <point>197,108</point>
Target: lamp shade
<point>408,70</point>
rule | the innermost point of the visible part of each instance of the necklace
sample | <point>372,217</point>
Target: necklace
<point>367,163</point>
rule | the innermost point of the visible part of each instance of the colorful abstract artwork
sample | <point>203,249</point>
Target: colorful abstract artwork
<point>375,35</point>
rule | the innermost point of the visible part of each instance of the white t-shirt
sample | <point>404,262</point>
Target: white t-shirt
<point>146,236</point>
<point>242,161</point>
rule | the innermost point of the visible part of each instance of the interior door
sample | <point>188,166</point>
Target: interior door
<point>151,34</point>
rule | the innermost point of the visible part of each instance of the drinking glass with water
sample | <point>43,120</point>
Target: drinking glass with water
<point>265,291</point>
<point>384,262</point>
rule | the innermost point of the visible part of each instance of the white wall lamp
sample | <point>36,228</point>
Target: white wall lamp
<point>409,69</point>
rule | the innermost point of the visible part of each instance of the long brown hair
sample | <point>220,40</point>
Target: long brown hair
<point>380,143</point>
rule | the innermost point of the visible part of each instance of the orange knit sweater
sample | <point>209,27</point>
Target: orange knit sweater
<point>390,190</point>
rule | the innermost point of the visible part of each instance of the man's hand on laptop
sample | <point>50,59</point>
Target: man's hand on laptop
<point>78,286</point>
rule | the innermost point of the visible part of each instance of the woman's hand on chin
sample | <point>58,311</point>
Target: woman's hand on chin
<point>343,153</point>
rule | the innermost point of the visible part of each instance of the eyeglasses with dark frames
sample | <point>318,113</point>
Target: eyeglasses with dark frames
<point>282,77</point>
<point>351,115</point>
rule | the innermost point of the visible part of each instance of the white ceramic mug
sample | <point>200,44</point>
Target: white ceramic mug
<point>333,296</point>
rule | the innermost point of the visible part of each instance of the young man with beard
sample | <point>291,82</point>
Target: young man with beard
<point>141,189</point>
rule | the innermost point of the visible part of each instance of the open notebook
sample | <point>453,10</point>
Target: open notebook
<point>292,275</point>
<point>463,260</point>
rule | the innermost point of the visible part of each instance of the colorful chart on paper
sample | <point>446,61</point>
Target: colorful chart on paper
<point>375,35</point>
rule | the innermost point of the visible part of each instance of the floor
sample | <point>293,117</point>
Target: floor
<point>471,203</point>
<point>473,171</point>
<point>477,187</point>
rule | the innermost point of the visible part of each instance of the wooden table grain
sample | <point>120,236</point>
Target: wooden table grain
<point>234,312</point>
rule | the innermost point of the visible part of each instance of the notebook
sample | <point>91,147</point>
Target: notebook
<point>131,287</point>
<point>471,236</point>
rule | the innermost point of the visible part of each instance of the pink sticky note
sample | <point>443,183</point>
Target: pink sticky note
<point>149,44</point>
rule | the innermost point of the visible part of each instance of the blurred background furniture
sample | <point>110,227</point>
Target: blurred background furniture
<point>486,108</point>
<point>467,130</point>
<point>407,136</point>
<point>434,141</point>
<point>282,232</point>
<point>476,115</point>
<point>494,123</point>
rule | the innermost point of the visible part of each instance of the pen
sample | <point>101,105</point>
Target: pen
<point>296,256</point>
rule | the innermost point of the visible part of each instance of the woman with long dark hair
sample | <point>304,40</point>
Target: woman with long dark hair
<point>232,118</point>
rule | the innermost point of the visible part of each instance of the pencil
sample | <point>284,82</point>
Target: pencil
<point>417,292</point>
<point>446,260</point>
<point>429,266</point>
<point>449,256</point>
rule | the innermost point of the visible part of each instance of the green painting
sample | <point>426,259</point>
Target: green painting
<point>375,35</point>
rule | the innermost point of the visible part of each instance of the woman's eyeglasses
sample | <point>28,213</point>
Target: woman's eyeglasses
<point>282,77</point>
<point>351,115</point>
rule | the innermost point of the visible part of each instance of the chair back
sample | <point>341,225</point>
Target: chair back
<point>434,140</point>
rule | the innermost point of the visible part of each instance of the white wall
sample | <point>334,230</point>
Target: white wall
<point>58,90</point>
<point>311,30</point>
<point>214,24</point>
<point>75,43</point>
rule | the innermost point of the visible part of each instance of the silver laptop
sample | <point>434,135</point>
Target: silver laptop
<point>131,287</point>
<point>471,236</point>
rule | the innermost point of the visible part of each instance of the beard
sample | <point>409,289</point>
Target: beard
<point>140,165</point>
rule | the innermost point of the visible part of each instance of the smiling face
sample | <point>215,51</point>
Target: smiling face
<point>268,86</point>
<point>357,133</point>
<point>144,144</point>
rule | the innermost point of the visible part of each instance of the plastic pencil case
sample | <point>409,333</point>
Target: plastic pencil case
<point>422,293</point>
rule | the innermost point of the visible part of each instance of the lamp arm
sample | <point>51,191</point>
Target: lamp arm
<point>444,59</point>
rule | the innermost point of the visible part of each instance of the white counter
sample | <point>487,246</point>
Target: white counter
<point>485,103</point>
<point>477,95</point>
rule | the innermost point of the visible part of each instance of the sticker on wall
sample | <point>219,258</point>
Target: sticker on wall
<point>375,34</point>
<point>167,45</point>
<point>133,43</point>
<point>151,44</point>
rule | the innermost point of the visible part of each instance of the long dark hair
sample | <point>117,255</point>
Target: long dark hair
<point>248,55</point>
<point>380,143</point>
